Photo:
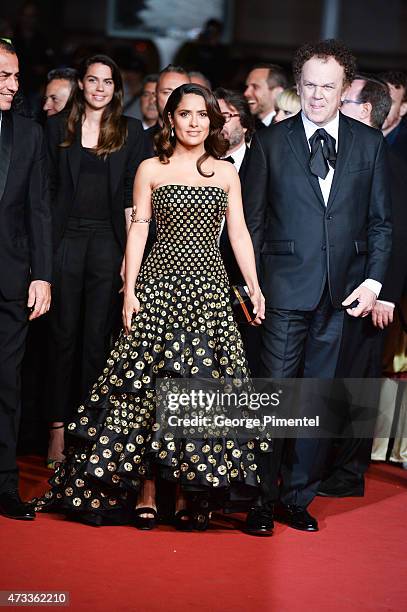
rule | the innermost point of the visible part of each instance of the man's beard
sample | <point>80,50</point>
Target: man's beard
<point>235,138</point>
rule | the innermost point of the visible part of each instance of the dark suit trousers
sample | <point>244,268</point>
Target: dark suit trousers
<point>85,293</point>
<point>13,331</point>
<point>296,343</point>
<point>360,357</point>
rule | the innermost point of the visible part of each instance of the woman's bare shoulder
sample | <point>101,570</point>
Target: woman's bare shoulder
<point>224,167</point>
<point>226,173</point>
<point>152,163</point>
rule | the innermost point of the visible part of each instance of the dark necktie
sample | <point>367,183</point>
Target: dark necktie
<point>230,159</point>
<point>323,153</point>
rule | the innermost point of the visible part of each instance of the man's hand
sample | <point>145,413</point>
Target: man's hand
<point>366,298</point>
<point>382,315</point>
<point>39,298</point>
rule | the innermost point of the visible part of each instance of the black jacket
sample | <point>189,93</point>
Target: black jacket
<point>231,265</point>
<point>64,167</point>
<point>25,219</point>
<point>399,146</point>
<point>299,242</point>
<point>395,281</point>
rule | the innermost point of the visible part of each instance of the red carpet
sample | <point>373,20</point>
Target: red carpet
<point>357,562</point>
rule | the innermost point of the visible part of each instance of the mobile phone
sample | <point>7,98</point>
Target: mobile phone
<point>354,304</point>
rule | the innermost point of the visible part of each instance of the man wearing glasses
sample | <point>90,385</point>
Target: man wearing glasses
<point>148,104</point>
<point>238,130</point>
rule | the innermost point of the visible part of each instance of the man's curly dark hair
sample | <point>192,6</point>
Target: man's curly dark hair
<point>324,49</point>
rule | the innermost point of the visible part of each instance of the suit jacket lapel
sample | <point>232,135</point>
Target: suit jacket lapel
<point>298,142</point>
<point>243,166</point>
<point>74,157</point>
<point>345,145</point>
<point>6,142</point>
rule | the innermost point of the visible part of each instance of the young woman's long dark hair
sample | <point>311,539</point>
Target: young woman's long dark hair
<point>215,144</point>
<point>113,126</point>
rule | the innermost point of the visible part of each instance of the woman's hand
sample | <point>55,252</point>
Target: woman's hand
<point>131,306</point>
<point>259,306</point>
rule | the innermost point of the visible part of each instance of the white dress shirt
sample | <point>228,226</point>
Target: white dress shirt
<point>268,118</point>
<point>325,184</point>
<point>238,156</point>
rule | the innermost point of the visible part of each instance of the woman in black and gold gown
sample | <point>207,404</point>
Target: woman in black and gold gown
<point>178,323</point>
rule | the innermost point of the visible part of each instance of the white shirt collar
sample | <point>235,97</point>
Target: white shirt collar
<point>332,127</point>
<point>238,156</point>
<point>268,118</point>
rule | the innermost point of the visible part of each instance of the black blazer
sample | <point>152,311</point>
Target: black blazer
<point>395,280</point>
<point>64,167</point>
<point>299,242</point>
<point>399,146</point>
<point>25,218</point>
<point>231,265</point>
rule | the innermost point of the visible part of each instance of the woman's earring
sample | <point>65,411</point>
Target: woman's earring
<point>172,132</point>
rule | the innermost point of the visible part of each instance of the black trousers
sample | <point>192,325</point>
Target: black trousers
<point>13,331</point>
<point>360,356</point>
<point>85,294</point>
<point>298,343</point>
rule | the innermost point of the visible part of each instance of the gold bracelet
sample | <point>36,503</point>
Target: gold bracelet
<point>134,219</point>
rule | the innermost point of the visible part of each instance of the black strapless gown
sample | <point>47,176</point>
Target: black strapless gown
<point>185,328</point>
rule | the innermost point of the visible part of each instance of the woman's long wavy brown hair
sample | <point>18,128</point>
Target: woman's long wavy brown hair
<point>215,144</point>
<point>113,126</point>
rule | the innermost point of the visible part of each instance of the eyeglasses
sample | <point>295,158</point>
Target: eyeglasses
<point>350,102</point>
<point>228,116</point>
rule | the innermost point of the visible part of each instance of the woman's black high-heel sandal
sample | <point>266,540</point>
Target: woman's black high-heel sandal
<point>182,520</point>
<point>51,463</point>
<point>200,521</point>
<point>145,523</point>
<point>201,514</point>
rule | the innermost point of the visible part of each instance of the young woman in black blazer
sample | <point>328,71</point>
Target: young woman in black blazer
<point>93,154</point>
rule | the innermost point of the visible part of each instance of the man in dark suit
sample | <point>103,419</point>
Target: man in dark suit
<point>25,255</point>
<point>238,130</point>
<point>317,206</point>
<point>263,84</point>
<point>368,100</point>
<point>395,126</point>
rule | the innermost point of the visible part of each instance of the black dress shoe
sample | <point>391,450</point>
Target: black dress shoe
<point>296,517</point>
<point>259,521</point>
<point>341,489</point>
<point>12,507</point>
